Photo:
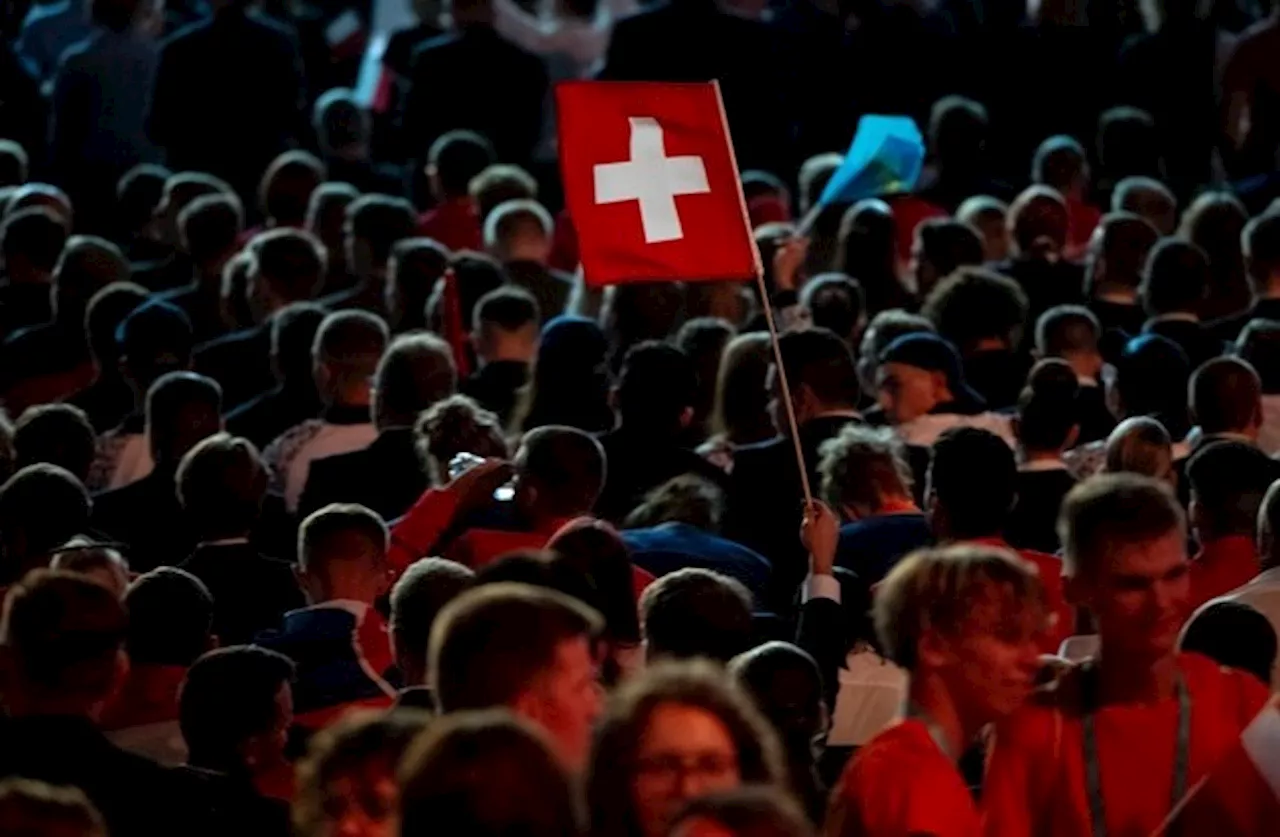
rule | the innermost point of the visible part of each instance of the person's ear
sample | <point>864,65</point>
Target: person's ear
<point>1073,436</point>
<point>1196,516</point>
<point>933,650</point>
<point>941,387</point>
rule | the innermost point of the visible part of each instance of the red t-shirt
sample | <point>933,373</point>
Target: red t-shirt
<point>1035,782</point>
<point>454,223</point>
<point>899,785</point>
<point>1221,566</point>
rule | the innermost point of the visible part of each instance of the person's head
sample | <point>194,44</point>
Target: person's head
<point>487,774</point>
<point>1149,199</point>
<point>1117,255</point>
<point>972,483</point>
<point>559,473</point>
<point>741,410</point>
<point>342,554</point>
<point>14,163</point>
<point>107,309</point>
<point>1226,397</point>
<point>1151,380</point>
<point>345,356</point>
<point>1215,223</point>
<point>695,613</point>
<point>97,562</point>
<point>958,135</point>
<point>284,193</point>
<point>154,339</point>
<point>180,189</point>
<point>1261,245</point>
<point>505,325</point>
<point>687,499</point>
<point>416,600</point>
<point>209,228</point>
<point>978,309</point>
<point>989,216</point>
<point>750,811</point>
<point>1038,223</point>
<point>820,372</point>
<point>1232,634</point>
<point>656,390</point>
<point>343,128</point>
<point>866,249</point>
<point>416,372</point>
<point>1127,144</point>
<point>497,184</point>
<point>634,312</point>
<point>703,340</point>
<point>965,621</point>
<point>590,561</point>
<point>287,266</point>
<point>221,484</point>
<point>455,425</point>
<point>1259,346</point>
<point>1061,164</point>
<point>786,685</point>
<point>864,470</point>
<point>884,328</point>
<point>454,160</point>
<point>170,618</point>
<point>59,434</point>
<point>834,301</point>
<point>941,246</point>
<point>519,230</point>
<point>1140,445</point>
<point>768,198</point>
<point>1228,481</point>
<point>1176,279</point>
<point>61,636</point>
<point>29,808</point>
<point>1048,419</point>
<point>1124,542</point>
<point>41,507</point>
<point>326,218</point>
<point>416,265</point>
<point>87,264</point>
<point>1269,528</point>
<point>476,275</point>
<point>138,194</point>
<point>293,331</point>
<point>30,242</point>
<point>1071,333</point>
<point>526,648</point>
<point>182,409</point>
<point>916,373</point>
<point>571,376</point>
<point>676,732</point>
<point>373,226</point>
<point>813,177</point>
<point>235,709</point>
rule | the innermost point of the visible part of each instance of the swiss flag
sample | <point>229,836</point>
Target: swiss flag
<point>651,182</point>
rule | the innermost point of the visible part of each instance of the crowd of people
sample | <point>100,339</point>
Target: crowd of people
<point>336,500</point>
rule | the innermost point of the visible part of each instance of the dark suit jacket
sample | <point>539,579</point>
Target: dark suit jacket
<point>997,375</point>
<point>765,502</point>
<point>474,79</point>
<point>1229,328</point>
<point>637,465</point>
<point>240,362</point>
<point>1046,284</point>
<point>673,546</point>
<point>147,516</point>
<point>1194,337</point>
<point>251,593</point>
<point>495,386</point>
<point>549,286</point>
<point>1033,523</point>
<point>387,476</point>
<point>264,417</point>
<point>1119,323</point>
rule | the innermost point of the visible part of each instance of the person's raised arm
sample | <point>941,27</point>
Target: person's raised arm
<point>417,533</point>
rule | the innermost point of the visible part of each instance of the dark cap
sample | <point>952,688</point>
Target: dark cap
<point>928,351</point>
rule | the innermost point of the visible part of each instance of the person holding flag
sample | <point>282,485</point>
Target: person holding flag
<point>1121,743</point>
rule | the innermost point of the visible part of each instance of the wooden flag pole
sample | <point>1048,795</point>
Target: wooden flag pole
<point>792,425</point>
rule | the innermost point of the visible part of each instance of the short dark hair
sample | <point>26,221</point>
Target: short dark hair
<point>819,359</point>
<point>499,183</point>
<point>1261,240</point>
<point>416,265</point>
<point>1128,143</point>
<point>174,402</point>
<point>293,331</point>
<point>973,474</point>
<point>326,535</point>
<point>1038,221</point>
<point>350,344</point>
<point>291,262</point>
<point>1122,243</point>
<point>1259,346</point>
<point>115,15</point>
<point>1047,406</point>
<point>1228,481</point>
<point>834,302</point>
<point>686,498</point>
<point>210,226</point>
<point>87,263</point>
<point>591,562</point>
<point>694,612</point>
<point>1151,379</point>
<point>458,157</point>
<point>1111,511</point>
<point>949,244</point>
<point>1058,161</point>
<point>64,631</point>
<point>107,309</point>
<point>155,338</point>
<point>656,385</point>
<point>1066,329</point>
<point>286,186</point>
<point>1232,634</point>
<point>41,506</point>
<point>13,163</point>
<point>748,811</point>
<point>508,308</point>
<point>229,696</point>
<point>957,129</point>
<point>417,598</point>
<point>1176,279</point>
<point>1226,395</point>
<point>36,234</point>
<point>339,120</point>
<point>170,618</point>
<point>138,193</point>
<point>567,465</point>
<point>451,772</point>
<point>59,434</point>
<point>488,644</point>
<point>416,371</point>
<point>221,484</point>
<point>975,304</point>
<point>477,275</point>
<point>381,221</point>
<point>1149,198</point>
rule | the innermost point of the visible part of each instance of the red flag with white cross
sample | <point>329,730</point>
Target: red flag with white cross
<point>651,183</point>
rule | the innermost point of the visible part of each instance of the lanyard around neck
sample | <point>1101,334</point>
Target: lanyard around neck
<point>1092,766</point>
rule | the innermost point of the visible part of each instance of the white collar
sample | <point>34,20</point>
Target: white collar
<point>226,542</point>
<point>1043,465</point>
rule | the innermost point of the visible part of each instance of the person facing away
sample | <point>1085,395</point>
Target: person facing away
<point>345,356</point>
<point>1121,738</point>
<point>107,398</point>
<point>1260,241</point>
<point>374,223</point>
<point>416,265</point>
<point>210,228</point>
<point>59,434</point>
<point>964,621</point>
<point>1262,592</point>
<point>1174,286</point>
<point>1073,333</point>
<point>1048,423</point>
<point>42,506</point>
<point>1039,223</point>
<point>454,159</point>
<point>524,648</point>
<point>1114,261</point>
<point>518,234</point>
<point>504,333</point>
<point>31,240</point>
<point>416,599</point>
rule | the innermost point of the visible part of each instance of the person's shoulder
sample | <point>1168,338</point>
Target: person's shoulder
<point>902,759</point>
<point>186,34</point>
<point>233,341</point>
<point>1239,693</point>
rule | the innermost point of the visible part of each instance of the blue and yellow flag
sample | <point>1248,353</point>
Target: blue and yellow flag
<point>885,158</point>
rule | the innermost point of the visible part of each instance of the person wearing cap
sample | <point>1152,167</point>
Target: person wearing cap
<point>922,390</point>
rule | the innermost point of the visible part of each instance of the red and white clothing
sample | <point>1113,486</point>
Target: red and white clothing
<point>1222,565</point>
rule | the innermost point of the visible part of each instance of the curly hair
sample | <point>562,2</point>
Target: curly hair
<point>457,425</point>
<point>974,304</point>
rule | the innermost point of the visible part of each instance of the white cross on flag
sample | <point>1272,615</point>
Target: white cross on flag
<point>651,183</point>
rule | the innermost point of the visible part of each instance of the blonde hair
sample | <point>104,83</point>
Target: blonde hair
<point>864,466</point>
<point>940,590</point>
